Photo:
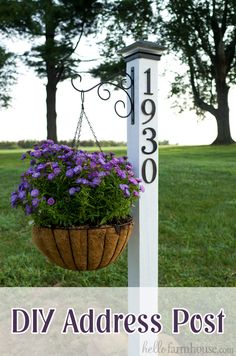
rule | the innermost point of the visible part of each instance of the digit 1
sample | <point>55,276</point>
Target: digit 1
<point>148,92</point>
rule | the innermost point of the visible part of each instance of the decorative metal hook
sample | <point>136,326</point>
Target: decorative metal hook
<point>105,93</point>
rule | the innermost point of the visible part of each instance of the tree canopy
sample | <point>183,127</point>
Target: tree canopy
<point>55,28</point>
<point>7,76</point>
<point>125,19</point>
<point>202,34</point>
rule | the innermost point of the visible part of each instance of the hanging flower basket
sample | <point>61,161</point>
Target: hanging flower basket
<point>80,203</point>
<point>83,248</point>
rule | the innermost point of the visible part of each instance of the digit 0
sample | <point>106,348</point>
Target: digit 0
<point>144,170</point>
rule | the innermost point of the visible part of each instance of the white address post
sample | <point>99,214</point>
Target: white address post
<point>142,59</point>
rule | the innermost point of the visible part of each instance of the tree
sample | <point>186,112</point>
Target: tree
<point>202,33</point>
<point>125,19</point>
<point>52,25</point>
<point>7,76</point>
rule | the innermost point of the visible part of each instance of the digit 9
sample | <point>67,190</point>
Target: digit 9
<point>151,112</point>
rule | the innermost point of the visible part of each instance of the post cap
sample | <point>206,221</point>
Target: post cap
<point>143,49</point>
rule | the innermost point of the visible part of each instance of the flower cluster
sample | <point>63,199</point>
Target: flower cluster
<point>65,187</point>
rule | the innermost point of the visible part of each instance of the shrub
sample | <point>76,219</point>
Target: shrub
<point>64,187</point>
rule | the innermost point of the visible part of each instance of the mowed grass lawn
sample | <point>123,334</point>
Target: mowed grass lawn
<point>197,225</point>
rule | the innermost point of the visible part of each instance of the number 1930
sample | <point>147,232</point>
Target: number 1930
<point>148,108</point>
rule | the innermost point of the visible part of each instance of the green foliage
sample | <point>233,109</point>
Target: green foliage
<point>7,76</point>
<point>125,19</point>
<point>64,187</point>
<point>54,27</point>
<point>109,68</point>
<point>203,36</point>
<point>104,205</point>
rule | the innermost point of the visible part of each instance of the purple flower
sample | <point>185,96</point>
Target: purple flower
<point>69,154</point>
<point>22,195</point>
<point>70,173</point>
<point>129,166</point>
<point>79,160</point>
<point>25,184</point>
<point>133,180</point>
<point>23,156</point>
<point>120,173</point>
<point>93,174</point>
<point>49,161</point>
<point>123,187</point>
<point>33,162</point>
<point>108,166</point>
<point>36,154</point>
<point>30,170</point>
<point>77,169</point>
<point>34,193</point>
<point>14,198</point>
<point>102,174</point>
<point>142,188</point>
<point>51,201</point>
<point>101,161</point>
<point>41,166</point>
<point>35,202</point>
<point>115,160</point>
<point>72,191</point>
<point>131,173</point>
<point>51,176</point>
<point>55,147</point>
<point>57,171</point>
<point>48,142</point>
<point>82,181</point>
<point>93,165</point>
<point>95,182</point>
<point>28,209</point>
<point>36,175</point>
<point>127,193</point>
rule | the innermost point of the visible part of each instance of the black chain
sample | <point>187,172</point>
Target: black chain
<point>76,139</point>
<point>75,142</point>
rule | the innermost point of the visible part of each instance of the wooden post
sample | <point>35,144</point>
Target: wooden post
<point>142,59</point>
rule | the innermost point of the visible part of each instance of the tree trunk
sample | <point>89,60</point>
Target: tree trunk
<point>50,61</point>
<point>222,116</point>
<point>51,89</point>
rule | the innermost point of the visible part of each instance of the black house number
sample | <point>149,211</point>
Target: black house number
<point>148,108</point>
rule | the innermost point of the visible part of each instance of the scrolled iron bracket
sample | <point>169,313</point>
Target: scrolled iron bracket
<point>125,84</point>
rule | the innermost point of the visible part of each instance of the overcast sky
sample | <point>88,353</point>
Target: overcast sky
<point>26,119</point>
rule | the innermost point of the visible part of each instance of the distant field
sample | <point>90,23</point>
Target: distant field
<point>106,149</point>
<point>197,210</point>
